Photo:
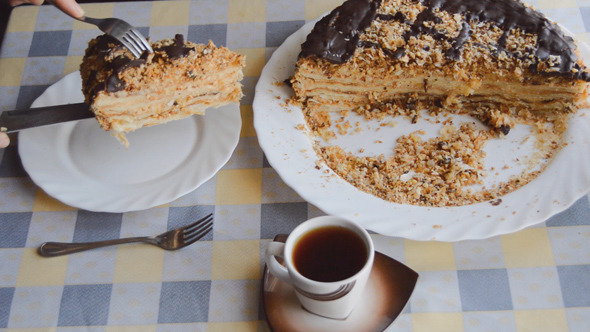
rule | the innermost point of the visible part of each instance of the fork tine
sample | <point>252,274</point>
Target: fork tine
<point>135,41</point>
<point>132,47</point>
<point>197,228</point>
<point>143,43</point>
<point>198,222</point>
<point>198,236</point>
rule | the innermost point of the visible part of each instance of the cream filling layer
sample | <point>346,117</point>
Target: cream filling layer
<point>348,93</point>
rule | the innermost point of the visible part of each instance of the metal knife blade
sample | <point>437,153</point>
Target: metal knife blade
<point>41,116</point>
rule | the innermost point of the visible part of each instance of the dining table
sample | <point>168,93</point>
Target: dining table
<point>531,279</point>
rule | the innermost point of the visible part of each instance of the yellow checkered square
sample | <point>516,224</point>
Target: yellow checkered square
<point>44,202</point>
<point>138,263</point>
<point>40,271</point>
<point>255,60</point>
<point>23,19</point>
<point>429,256</point>
<point>32,329</point>
<point>232,326</point>
<point>313,8</point>
<point>239,186</point>
<point>247,121</point>
<point>527,248</point>
<point>132,328</point>
<point>548,320</point>
<point>97,10</point>
<point>12,70</point>
<point>169,13</point>
<point>72,64</point>
<point>235,260</point>
<point>440,322</point>
<point>246,11</point>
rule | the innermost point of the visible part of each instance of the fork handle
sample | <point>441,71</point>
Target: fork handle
<point>52,249</point>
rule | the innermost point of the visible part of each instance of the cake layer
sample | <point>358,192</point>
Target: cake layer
<point>351,92</point>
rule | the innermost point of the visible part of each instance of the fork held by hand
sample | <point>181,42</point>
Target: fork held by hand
<point>125,33</point>
<point>171,240</point>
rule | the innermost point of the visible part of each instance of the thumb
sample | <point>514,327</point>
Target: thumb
<point>69,7</point>
<point>4,140</point>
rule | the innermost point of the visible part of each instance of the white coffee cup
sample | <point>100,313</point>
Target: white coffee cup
<point>318,292</point>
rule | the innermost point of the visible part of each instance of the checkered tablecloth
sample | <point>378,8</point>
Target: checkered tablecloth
<point>537,279</point>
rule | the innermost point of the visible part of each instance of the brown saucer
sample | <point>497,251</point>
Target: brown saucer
<point>388,290</point>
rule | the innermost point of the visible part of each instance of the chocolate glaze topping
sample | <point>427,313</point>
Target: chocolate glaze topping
<point>106,44</point>
<point>336,36</point>
<point>176,50</point>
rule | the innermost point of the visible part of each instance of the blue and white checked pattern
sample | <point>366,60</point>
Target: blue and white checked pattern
<point>537,279</point>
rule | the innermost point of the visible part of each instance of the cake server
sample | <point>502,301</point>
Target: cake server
<point>16,120</point>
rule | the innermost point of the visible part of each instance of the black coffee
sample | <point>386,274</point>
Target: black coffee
<point>329,253</point>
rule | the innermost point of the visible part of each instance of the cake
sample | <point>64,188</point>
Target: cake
<point>499,61</point>
<point>178,79</point>
<point>490,57</point>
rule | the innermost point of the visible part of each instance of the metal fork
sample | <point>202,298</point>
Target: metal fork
<point>171,240</point>
<point>125,33</point>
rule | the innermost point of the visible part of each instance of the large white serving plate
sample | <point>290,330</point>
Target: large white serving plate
<point>83,166</point>
<point>289,151</point>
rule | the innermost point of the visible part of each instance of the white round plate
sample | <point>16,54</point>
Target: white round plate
<point>83,166</point>
<point>290,152</point>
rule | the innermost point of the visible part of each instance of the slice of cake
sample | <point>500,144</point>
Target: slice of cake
<point>490,57</point>
<point>179,79</point>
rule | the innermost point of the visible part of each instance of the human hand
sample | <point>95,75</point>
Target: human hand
<point>4,140</point>
<point>70,7</point>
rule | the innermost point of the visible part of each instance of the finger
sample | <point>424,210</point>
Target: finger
<point>4,140</point>
<point>70,7</point>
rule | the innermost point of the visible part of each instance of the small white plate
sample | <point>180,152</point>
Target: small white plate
<point>85,167</point>
<point>290,152</point>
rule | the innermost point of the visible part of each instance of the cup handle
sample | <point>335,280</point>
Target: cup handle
<point>275,249</point>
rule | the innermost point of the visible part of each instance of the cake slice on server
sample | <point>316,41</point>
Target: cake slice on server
<point>179,79</point>
<point>491,58</point>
